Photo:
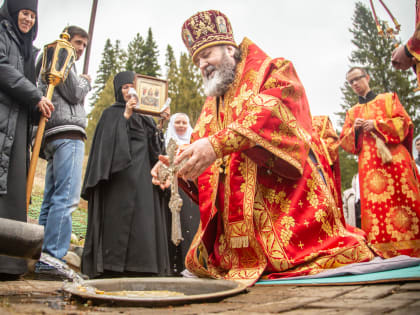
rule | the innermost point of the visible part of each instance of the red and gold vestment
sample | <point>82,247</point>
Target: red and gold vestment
<point>264,205</point>
<point>413,44</point>
<point>389,193</point>
<point>329,140</point>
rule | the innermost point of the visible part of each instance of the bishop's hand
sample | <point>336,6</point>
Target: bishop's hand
<point>400,60</point>
<point>200,155</point>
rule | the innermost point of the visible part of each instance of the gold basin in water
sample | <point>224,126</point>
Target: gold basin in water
<point>187,290</point>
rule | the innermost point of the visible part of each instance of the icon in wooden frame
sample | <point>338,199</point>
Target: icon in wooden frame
<point>152,93</point>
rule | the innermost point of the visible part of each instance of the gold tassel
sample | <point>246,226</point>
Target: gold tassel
<point>383,150</point>
<point>239,242</point>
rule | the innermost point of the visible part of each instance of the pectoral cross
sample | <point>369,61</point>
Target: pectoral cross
<point>175,202</point>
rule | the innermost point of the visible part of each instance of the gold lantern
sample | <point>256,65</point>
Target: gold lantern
<point>57,60</point>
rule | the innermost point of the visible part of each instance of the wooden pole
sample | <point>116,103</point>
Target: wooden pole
<point>35,151</point>
<point>91,26</point>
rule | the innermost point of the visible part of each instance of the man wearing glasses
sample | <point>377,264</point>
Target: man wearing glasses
<point>389,191</point>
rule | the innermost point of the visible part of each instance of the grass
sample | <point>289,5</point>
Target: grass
<point>79,216</point>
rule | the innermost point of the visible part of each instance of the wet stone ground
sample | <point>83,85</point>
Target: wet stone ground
<point>29,296</point>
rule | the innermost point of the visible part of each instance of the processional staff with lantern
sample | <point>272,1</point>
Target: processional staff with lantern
<point>57,60</point>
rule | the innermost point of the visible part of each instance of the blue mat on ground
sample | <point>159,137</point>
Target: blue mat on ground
<point>397,269</point>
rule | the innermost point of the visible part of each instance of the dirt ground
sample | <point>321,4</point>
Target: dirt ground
<point>47,297</point>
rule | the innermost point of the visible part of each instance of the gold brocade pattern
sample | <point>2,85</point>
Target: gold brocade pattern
<point>339,257</point>
<point>202,123</point>
<point>371,223</point>
<point>266,222</point>
<point>251,76</point>
<point>273,246</point>
<point>321,216</point>
<point>204,26</point>
<point>218,149</point>
<point>330,204</point>
<point>276,197</point>
<point>205,29</point>
<point>379,187</point>
<point>390,196</point>
<point>268,145</point>
<point>402,223</point>
<point>286,231</point>
<point>237,103</point>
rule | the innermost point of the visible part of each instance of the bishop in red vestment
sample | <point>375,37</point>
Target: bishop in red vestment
<point>263,182</point>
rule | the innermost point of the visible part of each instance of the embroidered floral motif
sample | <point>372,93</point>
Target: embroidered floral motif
<point>321,216</point>
<point>203,25</point>
<point>237,103</point>
<point>286,233</point>
<point>202,123</point>
<point>402,223</point>
<point>378,186</point>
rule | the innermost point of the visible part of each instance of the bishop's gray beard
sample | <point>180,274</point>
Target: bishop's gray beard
<point>223,77</point>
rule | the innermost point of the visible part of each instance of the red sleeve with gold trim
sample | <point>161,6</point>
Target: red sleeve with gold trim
<point>348,134</point>
<point>228,141</point>
<point>396,124</point>
<point>266,129</point>
<point>413,44</point>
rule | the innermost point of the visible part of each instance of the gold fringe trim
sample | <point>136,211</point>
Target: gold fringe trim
<point>239,242</point>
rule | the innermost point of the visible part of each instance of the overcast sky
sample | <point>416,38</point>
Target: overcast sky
<point>312,34</point>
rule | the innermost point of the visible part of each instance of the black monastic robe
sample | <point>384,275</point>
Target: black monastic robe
<point>127,229</point>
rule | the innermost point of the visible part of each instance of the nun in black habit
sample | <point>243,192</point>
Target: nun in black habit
<point>126,232</point>
<point>20,106</point>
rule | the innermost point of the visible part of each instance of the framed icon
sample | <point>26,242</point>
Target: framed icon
<point>152,94</point>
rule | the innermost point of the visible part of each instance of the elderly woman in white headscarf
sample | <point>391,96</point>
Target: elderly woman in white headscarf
<point>179,129</point>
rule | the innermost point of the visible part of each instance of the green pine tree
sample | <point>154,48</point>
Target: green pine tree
<point>120,57</point>
<point>105,99</point>
<point>113,57</point>
<point>111,63</point>
<point>373,52</point>
<point>190,97</point>
<point>149,57</point>
<point>135,52</point>
<point>171,74</point>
